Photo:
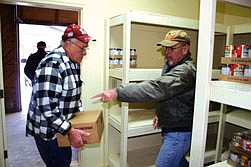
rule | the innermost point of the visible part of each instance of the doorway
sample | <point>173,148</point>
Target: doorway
<point>29,36</point>
<point>30,15</point>
<point>20,151</point>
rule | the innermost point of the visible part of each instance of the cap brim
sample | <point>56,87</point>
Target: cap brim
<point>86,38</point>
<point>167,43</point>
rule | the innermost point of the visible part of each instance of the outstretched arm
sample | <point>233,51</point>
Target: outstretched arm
<point>107,95</point>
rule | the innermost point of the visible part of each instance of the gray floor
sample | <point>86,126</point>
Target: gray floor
<point>22,151</point>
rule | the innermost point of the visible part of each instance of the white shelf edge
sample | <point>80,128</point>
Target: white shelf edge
<point>239,117</point>
<point>163,20</point>
<point>140,74</point>
<point>135,128</point>
<point>231,93</point>
<point>213,116</point>
<point>246,3</point>
<point>144,127</point>
<point>114,159</point>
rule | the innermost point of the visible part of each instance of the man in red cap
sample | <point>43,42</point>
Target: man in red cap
<point>174,93</point>
<point>56,97</point>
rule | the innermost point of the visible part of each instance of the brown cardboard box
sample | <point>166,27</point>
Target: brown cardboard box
<point>90,121</point>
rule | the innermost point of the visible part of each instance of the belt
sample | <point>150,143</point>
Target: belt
<point>177,129</point>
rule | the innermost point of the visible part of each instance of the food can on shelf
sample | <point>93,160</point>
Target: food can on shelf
<point>230,51</point>
<point>243,161</point>
<point>249,51</point>
<point>248,143</point>
<point>234,157</point>
<point>226,70</point>
<point>132,61</point>
<point>237,69</point>
<point>237,139</point>
<point>247,70</point>
<point>111,61</point>
<point>133,52</point>
<point>242,51</point>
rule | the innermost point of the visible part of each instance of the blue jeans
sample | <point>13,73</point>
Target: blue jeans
<point>174,147</point>
<point>52,155</point>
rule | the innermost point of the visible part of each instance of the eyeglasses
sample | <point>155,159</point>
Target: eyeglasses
<point>172,48</point>
<point>82,48</point>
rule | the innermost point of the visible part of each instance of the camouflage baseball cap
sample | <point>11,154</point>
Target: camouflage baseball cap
<point>174,37</point>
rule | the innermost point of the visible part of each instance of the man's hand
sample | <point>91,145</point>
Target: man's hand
<point>75,137</point>
<point>155,122</point>
<point>107,95</point>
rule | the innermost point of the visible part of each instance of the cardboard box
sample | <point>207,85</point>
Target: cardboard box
<point>90,121</point>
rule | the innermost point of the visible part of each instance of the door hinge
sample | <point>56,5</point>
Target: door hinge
<point>5,154</point>
<point>1,93</point>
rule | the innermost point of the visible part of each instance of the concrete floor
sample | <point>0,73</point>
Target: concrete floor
<point>22,150</point>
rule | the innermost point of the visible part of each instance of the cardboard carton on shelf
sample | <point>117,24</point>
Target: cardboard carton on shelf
<point>90,121</point>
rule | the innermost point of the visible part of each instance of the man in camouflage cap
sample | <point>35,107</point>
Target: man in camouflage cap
<point>174,93</point>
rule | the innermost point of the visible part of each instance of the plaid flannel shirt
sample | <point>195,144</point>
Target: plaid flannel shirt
<point>55,96</point>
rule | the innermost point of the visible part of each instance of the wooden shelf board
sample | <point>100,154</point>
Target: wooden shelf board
<point>238,79</point>
<point>245,61</point>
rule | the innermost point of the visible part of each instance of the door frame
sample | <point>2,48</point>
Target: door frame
<point>3,142</point>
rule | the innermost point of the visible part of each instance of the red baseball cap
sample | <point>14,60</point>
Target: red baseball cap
<point>74,31</point>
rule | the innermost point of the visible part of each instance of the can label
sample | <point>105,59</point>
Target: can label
<point>226,70</point>
<point>247,71</point>
<point>230,51</point>
<point>242,51</point>
<point>249,51</point>
<point>237,70</point>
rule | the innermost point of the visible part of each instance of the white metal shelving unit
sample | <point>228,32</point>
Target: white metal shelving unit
<point>227,93</point>
<point>131,123</point>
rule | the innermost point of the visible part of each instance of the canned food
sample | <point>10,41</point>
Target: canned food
<point>237,69</point>
<point>243,160</point>
<point>247,71</point>
<point>234,157</point>
<point>226,70</point>
<point>237,139</point>
<point>249,51</point>
<point>242,51</point>
<point>133,52</point>
<point>132,61</point>
<point>248,143</point>
<point>230,51</point>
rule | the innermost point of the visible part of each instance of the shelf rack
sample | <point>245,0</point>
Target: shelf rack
<point>227,93</point>
<point>120,120</point>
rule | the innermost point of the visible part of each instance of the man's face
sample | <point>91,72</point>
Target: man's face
<point>77,50</point>
<point>176,53</point>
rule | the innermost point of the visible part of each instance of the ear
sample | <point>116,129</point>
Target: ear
<point>185,49</point>
<point>67,46</point>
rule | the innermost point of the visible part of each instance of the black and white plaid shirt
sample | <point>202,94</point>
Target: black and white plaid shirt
<point>55,96</point>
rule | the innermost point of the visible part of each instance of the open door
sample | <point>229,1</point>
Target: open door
<point>3,144</point>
